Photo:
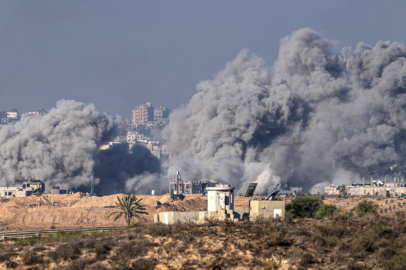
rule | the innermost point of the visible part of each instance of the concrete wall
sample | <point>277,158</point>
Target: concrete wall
<point>391,189</point>
<point>184,217</point>
<point>241,212</point>
<point>217,197</point>
<point>267,209</point>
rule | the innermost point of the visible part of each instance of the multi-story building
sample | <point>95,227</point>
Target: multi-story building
<point>26,189</point>
<point>161,113</point>
<point>142,114</point>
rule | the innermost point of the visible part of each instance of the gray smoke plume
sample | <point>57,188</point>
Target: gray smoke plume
<point>62,149</point>
<point>120,170</point>
<point>315,116</point>
<point>57,148</point>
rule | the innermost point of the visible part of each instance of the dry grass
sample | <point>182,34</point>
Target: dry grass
<point>345,242</point>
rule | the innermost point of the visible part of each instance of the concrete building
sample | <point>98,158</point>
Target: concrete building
<point>179,187</point>
<point>161,113</point>
<point>267,209</point>
<point>373,188</point>
<point>220,205</point>
<point>220,202</point>
<point>142,114</point>
<point>12,115</point>
<point>39,113</point>
<point>58,190</point>
<point>26,189</point>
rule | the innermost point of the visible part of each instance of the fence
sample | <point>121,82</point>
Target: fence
<point>42,233</point>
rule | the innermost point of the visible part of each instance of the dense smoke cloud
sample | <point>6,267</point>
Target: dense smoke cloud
<point>121,170</point>
<point>57,148</point>
<point>62,149</point>
<point>315,116</point>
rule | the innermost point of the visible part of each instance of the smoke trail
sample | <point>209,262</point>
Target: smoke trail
<point>315,116</point>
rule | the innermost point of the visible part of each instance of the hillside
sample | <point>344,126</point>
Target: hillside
<point>73,211</point>
<point>344,242</point>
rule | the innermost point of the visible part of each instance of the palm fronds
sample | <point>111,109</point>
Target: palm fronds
<point>130,207</point>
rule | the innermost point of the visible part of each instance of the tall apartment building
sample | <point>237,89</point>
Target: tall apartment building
<point>161,113</point>
<point>142,114</point>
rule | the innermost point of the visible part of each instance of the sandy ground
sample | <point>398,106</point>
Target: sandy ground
<point>73,211</point>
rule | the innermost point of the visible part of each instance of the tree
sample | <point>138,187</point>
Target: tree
<point>130,208</point>
<point>304,206</point>
<point>365,206</point>
<point>326,210</point>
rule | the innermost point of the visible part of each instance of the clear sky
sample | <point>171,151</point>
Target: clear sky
<point>118,54</point>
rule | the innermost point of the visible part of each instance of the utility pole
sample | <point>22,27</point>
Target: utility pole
<point>92,187</point>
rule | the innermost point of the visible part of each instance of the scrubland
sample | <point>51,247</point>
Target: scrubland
<point>343,241</point>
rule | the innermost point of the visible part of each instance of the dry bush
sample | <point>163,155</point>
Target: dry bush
<point>80,264</point>
<point>11,265</point>
<point>6,256</point>
<point>307,259</point>
<point>31,257</point>
<point>87,243</point>
<point>66,252</point>
<point>351,265</point>
<point>39,248</point>
<point>145,264</point>
<point>134,249</point>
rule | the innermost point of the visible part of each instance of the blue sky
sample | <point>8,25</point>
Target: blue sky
<point>118,54</point>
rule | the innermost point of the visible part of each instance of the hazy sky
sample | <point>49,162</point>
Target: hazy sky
<point>118,54</point>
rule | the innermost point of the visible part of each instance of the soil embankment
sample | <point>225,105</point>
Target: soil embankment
<point>73,211</point>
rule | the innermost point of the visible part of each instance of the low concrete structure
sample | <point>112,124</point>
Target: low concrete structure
<point>373,188</point>
<point>221,195</point>
<point>179,187</point>
<point>184,217</point>
<point>26,189</point>
<point>267,209</point>
<point>242,212</point>
<point>58,190</point>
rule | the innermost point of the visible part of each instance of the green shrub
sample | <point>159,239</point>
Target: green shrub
<point>306,259</point>
<point>382,229</point>
<point>399,260</point>
<point>305,206</point>
<point>364,207</point>
<point>326,210</point>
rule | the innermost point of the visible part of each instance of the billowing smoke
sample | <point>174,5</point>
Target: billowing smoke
<point>121,170</point>
<point>62,149</point>
<point>315,116</point>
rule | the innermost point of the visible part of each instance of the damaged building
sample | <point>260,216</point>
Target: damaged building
<point>27,188</point>
<point>179,187</point>
<point>373,188</point>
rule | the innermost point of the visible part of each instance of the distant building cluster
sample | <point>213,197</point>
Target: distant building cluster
<point>26,189</point>
<point>145,114</point>
<point>13,116</point>
<point>373,188</point>
<point>142,128</point>
<point>9,117</point>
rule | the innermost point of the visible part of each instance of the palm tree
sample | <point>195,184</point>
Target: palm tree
<point>130,208</point>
